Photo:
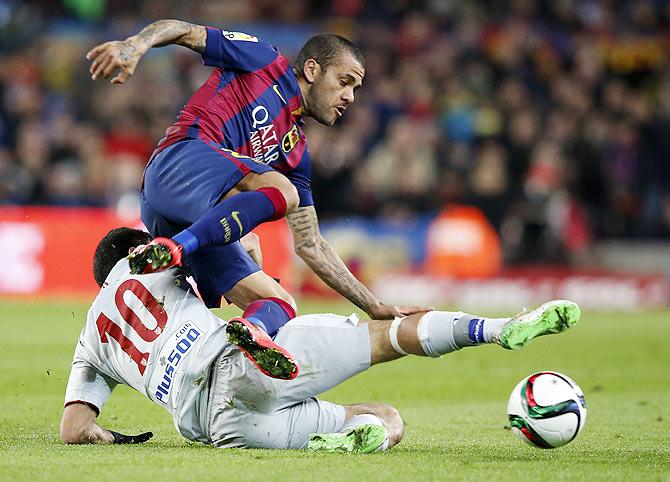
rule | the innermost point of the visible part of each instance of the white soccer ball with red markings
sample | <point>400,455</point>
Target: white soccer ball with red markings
<point>547,410</point>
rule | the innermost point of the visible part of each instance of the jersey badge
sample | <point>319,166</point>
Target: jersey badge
<point>290,139</point>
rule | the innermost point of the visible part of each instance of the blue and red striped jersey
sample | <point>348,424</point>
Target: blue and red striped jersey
<point>250,104</point>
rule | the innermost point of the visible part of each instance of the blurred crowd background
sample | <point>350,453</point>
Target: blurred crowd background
<point>553,117</point>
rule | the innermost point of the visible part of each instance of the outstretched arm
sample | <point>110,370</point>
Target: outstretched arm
<point>124,55</point>
<point>324,261</point>
<point>78,427</point>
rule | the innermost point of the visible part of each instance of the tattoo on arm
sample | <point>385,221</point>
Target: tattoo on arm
<point>305,227</point>
<point>166,32</point>
<point>323,259</point>
<point>126,52</point>
<point>196,38</point>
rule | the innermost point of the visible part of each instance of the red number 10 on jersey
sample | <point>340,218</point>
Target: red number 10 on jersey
<point>107,327</point>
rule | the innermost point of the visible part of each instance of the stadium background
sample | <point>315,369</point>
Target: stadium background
<point>498,154</point>
<point>550,118</point>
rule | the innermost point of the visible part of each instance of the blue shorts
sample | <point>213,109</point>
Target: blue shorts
<point>181,183</point>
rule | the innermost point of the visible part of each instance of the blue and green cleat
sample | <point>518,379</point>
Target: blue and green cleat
<point>362,439</point>
<point>552,317</point>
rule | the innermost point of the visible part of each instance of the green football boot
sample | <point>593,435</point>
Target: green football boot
<point>362,439</point>
<point>552,317</point>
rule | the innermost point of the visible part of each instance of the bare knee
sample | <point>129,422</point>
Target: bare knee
<point>276,292</point>
<point>388,414</point>
<point>255,287</point>
<point>284,295</point>
<point>291,196</point>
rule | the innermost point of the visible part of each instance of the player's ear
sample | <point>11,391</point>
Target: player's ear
<point>311,70</point>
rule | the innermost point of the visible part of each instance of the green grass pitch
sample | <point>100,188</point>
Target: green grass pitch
<point>454,408</point>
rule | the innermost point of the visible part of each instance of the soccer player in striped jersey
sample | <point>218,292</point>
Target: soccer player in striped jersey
<point>237,157</point>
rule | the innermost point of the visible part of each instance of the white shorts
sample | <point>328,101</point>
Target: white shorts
<point>249,409</point>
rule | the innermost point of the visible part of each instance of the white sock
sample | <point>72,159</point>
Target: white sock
<point>436,332</point>
<point>366,419</point>
<point>491,327</point>
<point>441,332</point>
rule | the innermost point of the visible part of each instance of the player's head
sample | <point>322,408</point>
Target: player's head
<point>331,69</point>
<point>115,245</point>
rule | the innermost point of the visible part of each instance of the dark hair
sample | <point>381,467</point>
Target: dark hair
<point>326,48</point>
<point>113,247</point>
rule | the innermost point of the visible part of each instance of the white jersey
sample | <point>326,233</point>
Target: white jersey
<point>150,333</point>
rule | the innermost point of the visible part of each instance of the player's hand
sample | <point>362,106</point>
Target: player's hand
<point>119,438</point>
<point>387,312</point>
<point>121,55</point>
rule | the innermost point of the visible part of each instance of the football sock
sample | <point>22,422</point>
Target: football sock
<point>366,419</point>
<point>270,314</point>
<point>441,332</point>
<point>232,218</point>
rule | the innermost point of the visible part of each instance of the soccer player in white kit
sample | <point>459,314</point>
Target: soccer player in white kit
<point>150,332</point>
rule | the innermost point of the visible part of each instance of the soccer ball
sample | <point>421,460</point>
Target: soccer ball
<point>546,410</point>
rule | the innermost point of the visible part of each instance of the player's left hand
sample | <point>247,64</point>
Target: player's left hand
<point>119,438</point>
<point>387,312</point>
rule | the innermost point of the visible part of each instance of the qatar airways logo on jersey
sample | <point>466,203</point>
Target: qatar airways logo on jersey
<point>263,138</point>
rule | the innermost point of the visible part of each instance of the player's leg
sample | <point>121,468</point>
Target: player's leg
<point>264,303</point>
<point>220,194</point>
<point>185,183</point>
<point>256,411</point>
<point>262,412</point>
<point>257,198</point>
<point>368,427</point>
<point>229,270</point>
<point>246,410</point>
<point>332,349</point>
<point>387,414</point>
<point>433,334</point>
<point>263,300</point>
<point>439,332</point>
